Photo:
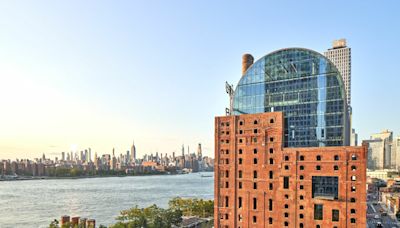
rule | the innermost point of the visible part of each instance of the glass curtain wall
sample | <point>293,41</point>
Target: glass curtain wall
<point>304,85</point>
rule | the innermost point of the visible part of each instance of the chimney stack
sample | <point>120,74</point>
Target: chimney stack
<point>247,61</point>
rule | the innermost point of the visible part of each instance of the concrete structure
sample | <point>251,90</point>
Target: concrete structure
<point>396,153</point>
<point>376,160</point>
<point>383,174</point>
<point>259,183</point>
<point>380,151</point>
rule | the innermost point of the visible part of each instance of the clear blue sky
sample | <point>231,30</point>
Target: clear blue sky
<point>101,73</point>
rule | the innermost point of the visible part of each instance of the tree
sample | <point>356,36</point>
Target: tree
<point>149,217</point>
<point>193,207</point>
<point>54,224</point>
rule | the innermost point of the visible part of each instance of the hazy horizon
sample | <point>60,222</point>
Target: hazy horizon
<point>101,74</point>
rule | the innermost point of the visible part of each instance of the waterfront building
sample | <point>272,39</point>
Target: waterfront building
<point>64,220</point>
<point>259,183</point>
<point>75,221</point>
<point>91,223</point>
<point>283,157</point>
<point>306,87</point>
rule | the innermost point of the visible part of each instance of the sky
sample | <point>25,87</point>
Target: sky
<point>100,74</point>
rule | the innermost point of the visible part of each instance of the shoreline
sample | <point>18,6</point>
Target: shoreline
<point>28,178</point>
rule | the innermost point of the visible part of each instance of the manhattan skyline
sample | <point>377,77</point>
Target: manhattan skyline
<point>98,75</point>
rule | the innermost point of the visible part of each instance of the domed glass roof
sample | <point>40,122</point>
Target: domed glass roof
<point>306,87</point>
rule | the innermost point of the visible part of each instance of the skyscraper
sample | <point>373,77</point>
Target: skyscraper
<point>133,152</point>
<point>340,55</point>
<point>199,152</point>
<point>90,155</point>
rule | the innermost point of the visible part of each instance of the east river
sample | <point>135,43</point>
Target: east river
<point>35,203</point>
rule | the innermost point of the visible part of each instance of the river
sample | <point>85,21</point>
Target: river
<point>35,203</point>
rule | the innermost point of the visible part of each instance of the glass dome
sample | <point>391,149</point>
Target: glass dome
<point>306,87</point>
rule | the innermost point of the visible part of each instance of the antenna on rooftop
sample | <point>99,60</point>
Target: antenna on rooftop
<point>230,92</point>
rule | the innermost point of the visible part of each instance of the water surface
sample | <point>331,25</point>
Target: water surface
<point>35,203</point>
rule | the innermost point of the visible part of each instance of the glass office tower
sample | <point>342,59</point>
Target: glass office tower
<point>306,87</point>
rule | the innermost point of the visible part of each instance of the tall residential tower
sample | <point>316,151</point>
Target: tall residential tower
<point>340,55</point>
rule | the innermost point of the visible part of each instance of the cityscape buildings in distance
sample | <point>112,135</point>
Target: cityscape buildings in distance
<point>283,154</point>
<point>83,164</point>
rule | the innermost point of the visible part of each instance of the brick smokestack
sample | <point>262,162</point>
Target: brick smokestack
<point>247,61</point>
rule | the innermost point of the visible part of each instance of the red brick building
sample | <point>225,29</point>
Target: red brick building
<point>259,183</point>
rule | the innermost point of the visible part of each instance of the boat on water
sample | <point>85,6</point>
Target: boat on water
<point>206,175</point>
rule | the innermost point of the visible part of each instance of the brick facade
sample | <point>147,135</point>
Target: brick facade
<point>258,183</point>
